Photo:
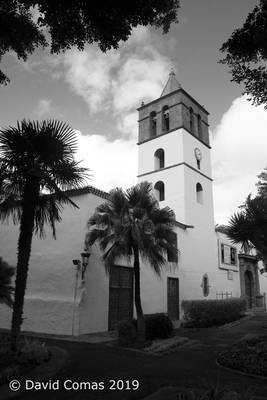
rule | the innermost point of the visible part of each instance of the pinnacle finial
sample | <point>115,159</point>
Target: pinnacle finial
<point>172,71</point>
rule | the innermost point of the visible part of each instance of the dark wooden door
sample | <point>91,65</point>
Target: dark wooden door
<point>120,295</point>
<point>173,298</point>
<point>248,287</point>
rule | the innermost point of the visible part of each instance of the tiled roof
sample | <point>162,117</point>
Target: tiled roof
<point>105,195</point>
<point>220,228</point>
<point>87,190</point>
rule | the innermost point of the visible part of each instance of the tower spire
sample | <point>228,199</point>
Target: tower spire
<point>172,84</point>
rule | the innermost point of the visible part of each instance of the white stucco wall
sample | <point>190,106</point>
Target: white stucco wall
<point>51,279</point>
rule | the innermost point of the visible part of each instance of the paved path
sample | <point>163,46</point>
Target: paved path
<point>190,366</point>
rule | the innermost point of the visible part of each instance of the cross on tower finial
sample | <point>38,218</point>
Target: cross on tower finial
<point>172,66</point>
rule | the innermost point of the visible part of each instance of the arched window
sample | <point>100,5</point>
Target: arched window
<point>199,126</point>
<point>153,123</point>
<point>199,192</point>
<point>165,119</point>
<point>205,285</point>
<point>159,161</point>
<point>191,119</point>
<point>159,191</point>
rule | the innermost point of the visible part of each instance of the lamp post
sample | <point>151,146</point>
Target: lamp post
<point>85,260</point>
<point>80,266</point>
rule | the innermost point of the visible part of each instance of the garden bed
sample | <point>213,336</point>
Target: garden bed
<point>248,356</point>
<point>30,354</point>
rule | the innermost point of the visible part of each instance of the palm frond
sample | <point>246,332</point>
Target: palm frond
<point>6,288</point>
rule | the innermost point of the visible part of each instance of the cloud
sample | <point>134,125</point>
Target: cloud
<point>43,107</point>
<point>239,155</point>
<point>117,82</point>
<point>112,164</point>
<point>89,74</point>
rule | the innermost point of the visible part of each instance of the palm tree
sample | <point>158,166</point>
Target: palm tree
<point>6,289</point>
<point>249,226</point>
<point>131,225</point>
<point>36,166</point>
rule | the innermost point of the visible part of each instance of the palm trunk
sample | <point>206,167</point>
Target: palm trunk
<point>141,330</point>
<point>30,196</point>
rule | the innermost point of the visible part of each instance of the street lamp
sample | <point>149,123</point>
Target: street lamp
<point>85,260</point>
<point>80,266</point>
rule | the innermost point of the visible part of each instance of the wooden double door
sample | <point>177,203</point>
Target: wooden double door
<point>120,295</point>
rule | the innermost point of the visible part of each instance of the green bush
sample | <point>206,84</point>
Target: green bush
<point>206,313</point>
<point>30,353</point>
<point>33,352</point>
<point>158,326</point>
<point>127,332</point>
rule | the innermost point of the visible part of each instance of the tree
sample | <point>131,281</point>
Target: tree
<point>36,166</point>
<point>246,54</point>
<point>249,226</point>
<point>76,23</point>
<point>6,288</point>
<point>131,225</point>
<point>262,184</point>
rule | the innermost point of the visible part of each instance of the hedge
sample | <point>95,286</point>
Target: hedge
<point>205,313</point>
<point>158,326</point>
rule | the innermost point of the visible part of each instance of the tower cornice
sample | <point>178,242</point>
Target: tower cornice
<point>181,90</point>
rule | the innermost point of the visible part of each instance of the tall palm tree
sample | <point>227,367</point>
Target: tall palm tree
<point>6,288</point>
<point>131,225</point>
<point>36,166</point>
<point>249,226</point>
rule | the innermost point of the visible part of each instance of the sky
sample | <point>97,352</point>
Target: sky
<point>98,94</point>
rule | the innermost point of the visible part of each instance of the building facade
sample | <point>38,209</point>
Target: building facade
<point>174,154</point>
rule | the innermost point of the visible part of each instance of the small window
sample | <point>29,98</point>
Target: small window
<point>199,126</point>
<point>228,254</point>
<point>159,161</point>
<point>191,119</point>
<point>159,191</point>
<point>205,285</point>
<point>165,119</point>
<point>172,256</point>
<point>199,193</point>
<point>198,164</point>
<point>153,123</point>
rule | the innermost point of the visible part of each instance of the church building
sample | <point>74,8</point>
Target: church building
<point>72,297</point>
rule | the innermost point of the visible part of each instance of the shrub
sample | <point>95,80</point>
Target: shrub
<point>158,326</point>
<point>32,351</point>
<point>127,332</point>
<point>205,313</point>
<point>9,373</point>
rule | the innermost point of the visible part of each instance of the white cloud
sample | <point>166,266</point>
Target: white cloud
<point>119,80</point>
<point>112,164</point>
<point>239,155</point>
<point>43,107</point>
<point>89,74</point>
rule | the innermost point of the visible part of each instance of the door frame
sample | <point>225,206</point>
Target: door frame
<point>131,293</point>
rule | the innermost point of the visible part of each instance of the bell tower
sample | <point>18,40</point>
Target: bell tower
<point>174,154</point>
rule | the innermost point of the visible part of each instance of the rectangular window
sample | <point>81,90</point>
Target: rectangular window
<point>173,257</point>
<point>228,254</point>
